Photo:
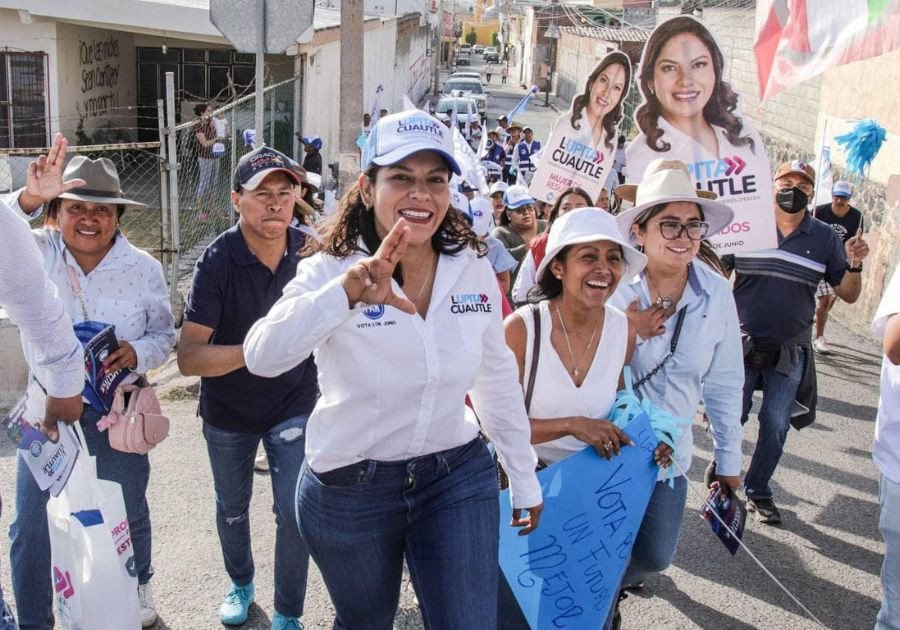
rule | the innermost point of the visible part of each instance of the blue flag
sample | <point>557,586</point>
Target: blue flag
<point>566,573</point>
<point>518,109</point>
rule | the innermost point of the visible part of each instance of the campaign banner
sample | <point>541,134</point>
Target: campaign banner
<point>566,573</point>
<point>690,113</point>
<point>582,143</point>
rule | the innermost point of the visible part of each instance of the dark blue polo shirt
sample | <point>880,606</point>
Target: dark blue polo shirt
<point>775,289</point>
<point>231,290</point>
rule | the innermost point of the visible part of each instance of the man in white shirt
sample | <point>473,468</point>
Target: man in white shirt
<point>886,452</point>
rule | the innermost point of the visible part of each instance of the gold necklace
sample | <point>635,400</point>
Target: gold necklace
<point>427,278</point>
<point>576,372</point>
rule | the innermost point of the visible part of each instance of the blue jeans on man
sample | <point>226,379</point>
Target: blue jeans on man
<point>889,524</point>
<point>30,549</point>
<point>439,511</point>
<point>231,456</point>
<point>778,394</point>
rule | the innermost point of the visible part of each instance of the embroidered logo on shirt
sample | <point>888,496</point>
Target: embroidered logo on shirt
<point>376,311</point>
<point>470,303</point>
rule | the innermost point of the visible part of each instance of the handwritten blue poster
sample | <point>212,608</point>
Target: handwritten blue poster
<point>566,573</point>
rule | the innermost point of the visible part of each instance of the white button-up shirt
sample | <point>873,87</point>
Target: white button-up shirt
<point>393,385</point>
<point>127,289</point>
<point>708,363</point>
<point>32,302</point>
<point>886,449</point>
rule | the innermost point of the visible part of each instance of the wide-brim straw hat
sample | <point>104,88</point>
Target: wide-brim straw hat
<point>668,181</point>
<point>101,182</point>
<point>586,225</point>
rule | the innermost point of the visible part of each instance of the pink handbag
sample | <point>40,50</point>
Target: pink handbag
<point>140,426</point>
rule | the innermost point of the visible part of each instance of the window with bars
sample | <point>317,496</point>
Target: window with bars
<point>23,100</point>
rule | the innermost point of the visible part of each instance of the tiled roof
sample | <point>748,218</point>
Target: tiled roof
<point>608,33</point>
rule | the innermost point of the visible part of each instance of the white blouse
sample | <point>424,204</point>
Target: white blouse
<point>393,385</point>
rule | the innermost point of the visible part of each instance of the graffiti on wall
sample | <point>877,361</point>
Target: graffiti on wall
<point>100,66</point>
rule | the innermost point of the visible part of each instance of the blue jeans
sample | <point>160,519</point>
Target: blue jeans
<point>657,537</point>
<point>889,524</point>
<point>231,456</point>
<point>779,392</point>
<point>30,550</point>
<point>439,511</point>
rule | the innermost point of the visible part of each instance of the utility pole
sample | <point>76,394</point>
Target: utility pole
<point>351,105</point>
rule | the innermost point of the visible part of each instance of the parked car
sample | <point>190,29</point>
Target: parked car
<point>477,49</point>
<point>491,55</point>
<point>466,110</point>
<point>467,87</point>
<point>463,59</point>
<point>466,48</point>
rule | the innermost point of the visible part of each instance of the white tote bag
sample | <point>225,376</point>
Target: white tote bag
<point>94,574</point>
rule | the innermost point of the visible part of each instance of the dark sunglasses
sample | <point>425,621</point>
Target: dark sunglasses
<point>671,230</point>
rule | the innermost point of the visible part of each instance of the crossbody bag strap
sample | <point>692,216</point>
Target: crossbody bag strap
<point>535,355</point>
<point>672,346</point>
<point>76,287</point>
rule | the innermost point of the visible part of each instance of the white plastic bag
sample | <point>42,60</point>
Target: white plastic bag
<point>94,574</point>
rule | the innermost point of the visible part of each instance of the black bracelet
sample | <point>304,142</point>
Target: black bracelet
<point>854,269</point>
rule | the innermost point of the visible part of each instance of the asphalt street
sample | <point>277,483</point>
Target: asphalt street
<point>827,552</point>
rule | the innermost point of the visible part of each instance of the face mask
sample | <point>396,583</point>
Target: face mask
<point>792,200</point>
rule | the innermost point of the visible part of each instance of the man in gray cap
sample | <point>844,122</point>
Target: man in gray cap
<point>847,222</point>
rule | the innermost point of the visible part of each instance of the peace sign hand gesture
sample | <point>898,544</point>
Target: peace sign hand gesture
<point>44,181</point>
<point>369,280</point>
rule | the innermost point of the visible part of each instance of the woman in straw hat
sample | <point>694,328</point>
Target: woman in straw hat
<point>689,346</point>
<point>103,278</point>
<point>402,311</point>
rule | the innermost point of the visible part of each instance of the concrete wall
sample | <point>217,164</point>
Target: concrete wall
<point>96,79</point>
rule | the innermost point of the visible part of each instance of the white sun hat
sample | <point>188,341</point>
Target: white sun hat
<point>586,225</point>
<point>668,181</point>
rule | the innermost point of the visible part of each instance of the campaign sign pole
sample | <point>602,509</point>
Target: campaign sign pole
<point>566,573</point>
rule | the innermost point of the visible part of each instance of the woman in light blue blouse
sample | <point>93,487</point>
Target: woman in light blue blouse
<point>689,346</point>
<point>100,277</point>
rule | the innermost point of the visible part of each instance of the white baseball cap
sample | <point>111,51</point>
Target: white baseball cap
<point>517,196</point>
<point>498,187</point>
<point>586,225</point>
<point>397,136</point>
<point>482,216</point>
<point>842,189</point>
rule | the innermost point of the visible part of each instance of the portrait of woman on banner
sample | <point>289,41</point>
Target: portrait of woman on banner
<point>690,113</point>
<point>582,143</point>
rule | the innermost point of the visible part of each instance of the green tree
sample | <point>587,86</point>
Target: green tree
<point>471,37</point>
<point>495,39</point>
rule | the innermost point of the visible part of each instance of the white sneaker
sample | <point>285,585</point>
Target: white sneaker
<point>261,464</point>
<point>821,346</point>
<point>148,606</point>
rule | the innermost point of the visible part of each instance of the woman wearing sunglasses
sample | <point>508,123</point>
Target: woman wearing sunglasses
<point>689,345</point>
<point>518,224</point>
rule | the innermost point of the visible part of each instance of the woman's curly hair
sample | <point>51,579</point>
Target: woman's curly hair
<point>718,111</point>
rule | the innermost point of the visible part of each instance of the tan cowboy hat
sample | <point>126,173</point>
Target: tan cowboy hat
<point>668,181</point>
<point>101,182</point>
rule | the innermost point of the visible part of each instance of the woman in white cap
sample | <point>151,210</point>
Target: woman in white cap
<point>101,277</point>
<point>689,345</point>
<point>518,223</point>
<point>581,343</point>
<point>402,313</point>
<point>498,189</point>
<point>569,199</point>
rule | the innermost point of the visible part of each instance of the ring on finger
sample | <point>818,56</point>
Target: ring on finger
<point>608,445</point>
